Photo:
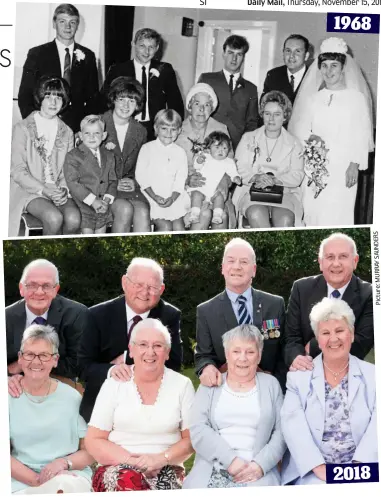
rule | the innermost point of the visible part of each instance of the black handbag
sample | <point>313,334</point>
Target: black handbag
<point>270,194</point>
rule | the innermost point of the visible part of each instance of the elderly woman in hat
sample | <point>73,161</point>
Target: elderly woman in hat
<point>46,429</point>
<point>329,413</point>
<point>201,102</point>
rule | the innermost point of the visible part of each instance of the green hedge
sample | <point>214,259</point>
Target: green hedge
<point>91,268</point>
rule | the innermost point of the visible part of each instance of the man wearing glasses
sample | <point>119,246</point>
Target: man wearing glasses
<point>104,350</point>
<point>41,304</point>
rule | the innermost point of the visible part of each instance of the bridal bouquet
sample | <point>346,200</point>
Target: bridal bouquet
<point>315,161</point>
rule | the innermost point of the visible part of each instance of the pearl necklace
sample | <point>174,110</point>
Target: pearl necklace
<point>40,398</point>
<point>336,373</point>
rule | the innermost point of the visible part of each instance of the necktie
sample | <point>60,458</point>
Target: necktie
<point>144,84</point>
<point>67,66</point>
<point>292,82</point>
<point>97,158</point>
<point>39,320</point>
<point>135,321</point>
<point>231,81</point>
<point>336,294</point>
<point>243,313</point>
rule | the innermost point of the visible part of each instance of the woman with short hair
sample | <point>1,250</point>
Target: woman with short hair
<point>46,430</point>
<point>329,413</point>
<point>139,429</point>
<point>266,157</point>
<point>235,427</point>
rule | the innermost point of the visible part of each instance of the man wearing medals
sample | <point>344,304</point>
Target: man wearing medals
<point>338,259</point>
<point>239,304</point>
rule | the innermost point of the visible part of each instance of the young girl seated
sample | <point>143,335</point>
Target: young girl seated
<point>125,137</point>
<point>39,146</point>
<point>213,163</point>
<point>161,172</point>
<point>90,174</point>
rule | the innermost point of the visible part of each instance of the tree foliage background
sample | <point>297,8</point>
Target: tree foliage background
<point>91,268</point>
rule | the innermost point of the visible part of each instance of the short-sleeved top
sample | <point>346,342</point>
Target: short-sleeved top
<point>144,428</point>
<point>40,433</point>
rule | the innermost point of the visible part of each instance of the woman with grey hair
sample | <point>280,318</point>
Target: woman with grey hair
<point>201,102</point>
<point>46,430</point>
<point>266,157</point>
<point>235,427</point>
<point>329,413</point>
<point>139,429</point>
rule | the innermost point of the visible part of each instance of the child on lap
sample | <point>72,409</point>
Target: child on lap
<point>213,165</point>
<point>161,172</point>
<point>90,175</point>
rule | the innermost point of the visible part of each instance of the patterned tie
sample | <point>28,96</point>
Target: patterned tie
<point>336,294</point>
<point>144,84</point>
<point>231,84</point>
<point>292,82</point>
<point>243,313</point>
<point>67,66</point>
<point>39,320</point>
<point>97,158</point>
<point>135,321</point>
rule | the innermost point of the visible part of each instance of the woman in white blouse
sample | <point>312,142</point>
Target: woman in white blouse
<point>235,427</point>
<point>139,429</point>
<point>39,146</point>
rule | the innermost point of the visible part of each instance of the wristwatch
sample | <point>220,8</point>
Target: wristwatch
<point>69,463</point>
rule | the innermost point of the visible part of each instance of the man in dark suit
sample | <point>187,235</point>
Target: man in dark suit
<point>338,259</point>
<point>62,57</point>
<point>104,348</point>
<point>237,97</point>
<point>287,78</point>
<point>157,78</point>
<point>41,304</point>
<point>225,311</point>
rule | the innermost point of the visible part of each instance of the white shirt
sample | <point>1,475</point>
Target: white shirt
<point>141,428</point>
<point>30,316</point>
<point>62,53</point>
<point>249,301</point>
<point>330,289</point>
<point>138,76</point>
<point>121,132</point>
<point>298,76</point>
<point>235,77</point>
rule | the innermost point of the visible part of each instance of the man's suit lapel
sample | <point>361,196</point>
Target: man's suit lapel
<point>118,325</point>
<point>92,161</point>
<point>77,67</point>
<point>227,311</point>
<point>351,292</point>
<point>297,88</point>
<point>257,309</point>
<point>55,313</point>
<point>52,59</point>
<point>224,87</point>
<point>18,325</point>
<point>318,292</point>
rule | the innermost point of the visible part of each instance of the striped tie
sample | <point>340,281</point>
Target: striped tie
<point>67,66</point>
<point>243,313</point>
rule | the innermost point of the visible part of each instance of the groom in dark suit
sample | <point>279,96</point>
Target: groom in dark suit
<point>223,312</point>
<point>65,58</point>
<point>287,78</point>
<point>338,259</point>
<point>41,304</point>
<point>237,97</point>
<point>104,348</point>
<point>157,78</point>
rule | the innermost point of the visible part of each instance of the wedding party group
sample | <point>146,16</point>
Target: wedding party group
<point>137,155</point>
<point>281,393</point>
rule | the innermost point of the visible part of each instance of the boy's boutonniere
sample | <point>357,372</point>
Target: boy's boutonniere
<point>79,55</point>
<point>110,146</point>
<point>154,73</point>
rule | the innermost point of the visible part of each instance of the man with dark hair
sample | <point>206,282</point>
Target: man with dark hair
<point>237,97</point>
<point>287,78</point>
<point>65,58</point>
<point>157,78</point>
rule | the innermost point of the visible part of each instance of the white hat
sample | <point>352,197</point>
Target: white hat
<point>202,88</point>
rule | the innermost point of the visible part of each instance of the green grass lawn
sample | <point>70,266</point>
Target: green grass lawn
<point>189,372</point>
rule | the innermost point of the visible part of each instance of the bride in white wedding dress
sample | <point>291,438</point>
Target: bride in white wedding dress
<point>334,103</point>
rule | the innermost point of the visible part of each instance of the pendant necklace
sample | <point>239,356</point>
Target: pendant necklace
<point>269,154</point>
<point>336,374</point>
<point>38,399</point>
